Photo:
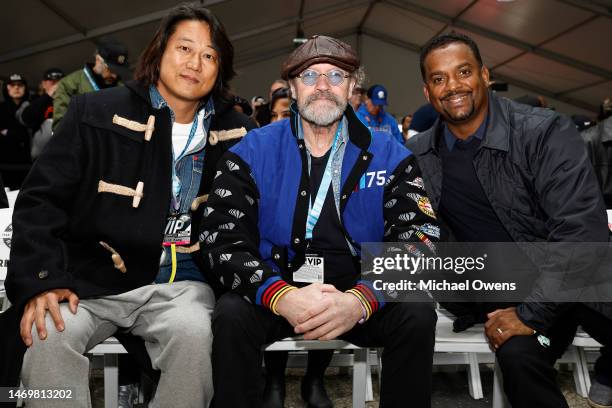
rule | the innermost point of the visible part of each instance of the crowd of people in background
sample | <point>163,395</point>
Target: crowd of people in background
<point>28,117</point>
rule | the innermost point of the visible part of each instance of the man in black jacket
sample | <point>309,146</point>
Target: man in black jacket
<point>14,138</point>
<point>122,181</point>
<point>497,171</point>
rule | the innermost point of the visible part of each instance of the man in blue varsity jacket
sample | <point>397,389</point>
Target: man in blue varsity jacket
<point>288,211</point>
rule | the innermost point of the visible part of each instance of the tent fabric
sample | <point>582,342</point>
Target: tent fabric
<point>555,48</point>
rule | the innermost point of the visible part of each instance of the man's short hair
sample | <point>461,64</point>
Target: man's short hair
<point>442,41</point>
<point>150,60</point>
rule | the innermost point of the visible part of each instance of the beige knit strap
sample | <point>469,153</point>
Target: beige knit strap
<point>148,127</point>
<point>138,194</point>
<point>117,261</point>
<point>129,124</point>
<point>104,187</point>
<point>189,249</point>
<point>217,136</point>
<point>197,201</point>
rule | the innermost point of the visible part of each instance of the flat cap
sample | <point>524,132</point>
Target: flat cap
<point>317,50</point>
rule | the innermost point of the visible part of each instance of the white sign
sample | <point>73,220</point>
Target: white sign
<point>6,233</point>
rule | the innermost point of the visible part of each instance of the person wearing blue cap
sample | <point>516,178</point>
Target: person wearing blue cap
<point>372,113</point>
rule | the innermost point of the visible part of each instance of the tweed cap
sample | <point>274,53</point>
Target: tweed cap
<point>320,49</point>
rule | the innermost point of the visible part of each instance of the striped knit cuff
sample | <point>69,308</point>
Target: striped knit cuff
<point>278,295</point>
<point>364,303</point>
<point>366,295</point>
<point>274,289</point>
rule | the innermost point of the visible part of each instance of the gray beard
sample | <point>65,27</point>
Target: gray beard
<point>321,117</point>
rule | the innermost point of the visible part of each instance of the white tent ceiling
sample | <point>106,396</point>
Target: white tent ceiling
<point>556,48</point>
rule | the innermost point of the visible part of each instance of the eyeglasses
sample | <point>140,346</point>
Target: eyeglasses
<point>335,77</point>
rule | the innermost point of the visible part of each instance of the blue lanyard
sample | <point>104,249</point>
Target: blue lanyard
<point>314,210</point>
<point>176,181</point>
<point>91,80</point>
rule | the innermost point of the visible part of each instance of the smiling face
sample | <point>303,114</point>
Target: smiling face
<point>456,85</point>
<point>189,65</point>
<point>322,104</point>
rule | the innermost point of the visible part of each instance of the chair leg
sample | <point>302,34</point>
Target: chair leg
<point>582,367</point>
<point>475,384</point>
<point>379,352</point>
<point>369,390</point>
<point>5,302</point>
<point>360,365</point>
<point>499,398</point>
<point>20,400</point>
<point>111,380</point>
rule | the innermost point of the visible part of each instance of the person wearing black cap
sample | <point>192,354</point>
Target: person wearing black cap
<point>37,114</point>
<point>109,69</point>
<point>292,204</point>
<point>14,137</point>
<point>372,113</point>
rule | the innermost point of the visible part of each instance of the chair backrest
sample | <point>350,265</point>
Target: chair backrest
<point>12,197</point>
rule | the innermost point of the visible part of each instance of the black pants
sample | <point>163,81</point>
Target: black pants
<point>528,367</point>
<point>405,330</point>
<point>318,360</point>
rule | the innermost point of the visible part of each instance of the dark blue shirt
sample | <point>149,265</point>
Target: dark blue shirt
<point>464,205</point>
<point>451,140</point>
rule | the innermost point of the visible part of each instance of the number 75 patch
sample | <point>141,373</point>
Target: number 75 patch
<point>372,178</point>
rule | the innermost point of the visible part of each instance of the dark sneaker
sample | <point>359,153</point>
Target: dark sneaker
<point>314,394</point>
<point>600,395</point>
<point>274,392</point>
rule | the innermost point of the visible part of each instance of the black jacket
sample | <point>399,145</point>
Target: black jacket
<point>32,113</point>
<point>598,140</point>
<point>534,169</point>
<point>60,216</point>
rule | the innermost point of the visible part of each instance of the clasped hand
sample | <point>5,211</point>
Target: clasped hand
<point>320,311</point>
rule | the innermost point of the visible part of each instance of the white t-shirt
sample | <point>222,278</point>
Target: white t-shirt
<point>180,135</point>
